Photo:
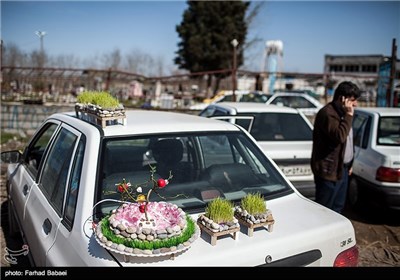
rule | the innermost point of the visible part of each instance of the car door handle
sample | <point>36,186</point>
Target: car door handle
<point>46,226</point>
<point>25,190</point>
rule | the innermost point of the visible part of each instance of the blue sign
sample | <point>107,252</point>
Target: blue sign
<point>383,84</point>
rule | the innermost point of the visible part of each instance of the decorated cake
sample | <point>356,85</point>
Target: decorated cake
<point>145,228</point>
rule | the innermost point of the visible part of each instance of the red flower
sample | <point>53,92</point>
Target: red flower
<point>142,208</point>
<point>161,183</point>
<point>122,187</point>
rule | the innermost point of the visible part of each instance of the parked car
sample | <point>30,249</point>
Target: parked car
<point>227,96</point>
<point>376,167</point>
<point>283,133</point>
<point>366,96</point>
<point>308,105</point>
<point>65,180</point>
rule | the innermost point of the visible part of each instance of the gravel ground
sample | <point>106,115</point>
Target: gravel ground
<point>377,231</point>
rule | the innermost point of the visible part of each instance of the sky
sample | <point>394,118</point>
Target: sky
<point>308,30</point>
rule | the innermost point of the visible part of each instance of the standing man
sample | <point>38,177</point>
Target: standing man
<point>332,153</point>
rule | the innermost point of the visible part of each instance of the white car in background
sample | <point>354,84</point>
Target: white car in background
<point>303,102</point>
<point>227,96</point>
<point>376,167</point>
<point>58,190</point>
<point>283,133</point>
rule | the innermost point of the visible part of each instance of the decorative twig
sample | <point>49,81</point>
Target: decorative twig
<point>136,195</point>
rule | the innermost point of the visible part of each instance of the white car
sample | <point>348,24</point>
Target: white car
<point>65,180</point>
<point>283,133</point>
<point>227,96</point>
<point>303,102</point>
<point>376,167</point>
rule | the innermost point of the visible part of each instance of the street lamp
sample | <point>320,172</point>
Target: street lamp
<point>41,34</point>
<point>234,43</point>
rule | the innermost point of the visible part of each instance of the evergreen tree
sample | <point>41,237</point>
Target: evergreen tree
<point>206,32</point>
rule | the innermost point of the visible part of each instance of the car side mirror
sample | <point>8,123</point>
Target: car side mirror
<point>11,156</point>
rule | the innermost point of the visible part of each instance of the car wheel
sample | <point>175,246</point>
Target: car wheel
<point>13,228</point>
<point>353,194</point>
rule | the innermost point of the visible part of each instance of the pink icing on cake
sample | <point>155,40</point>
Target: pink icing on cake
<point>165,215</point>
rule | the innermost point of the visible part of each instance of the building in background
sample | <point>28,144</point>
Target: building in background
<point>366,71</point>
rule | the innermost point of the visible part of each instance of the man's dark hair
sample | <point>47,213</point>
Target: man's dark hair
<point>346,89</point>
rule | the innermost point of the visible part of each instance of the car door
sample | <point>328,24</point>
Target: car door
<point>361,137</point>
<point>44,207</point>
<point>66,248</point>
<point>25,176</point>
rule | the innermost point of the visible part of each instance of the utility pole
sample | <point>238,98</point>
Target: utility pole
<point>108,79</point>
<point>1,52</point>
<point>392,74</point>
<point>234,43</point>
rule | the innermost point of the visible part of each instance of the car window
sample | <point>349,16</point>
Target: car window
<point>301,102</point>
<point>260,98</point>
<point>360,138</point>
<point>245,122</point>
<point>212,111</point>
<point>72,194</point>
<point>35,151</point>
<point>389,131</point>
<point>280,127</point>
<point>227,98</point>
<point>281,100</point>
<point>55,169</point>
<point>228,165</point>
<point>219,150</point>
<point>293,102</point>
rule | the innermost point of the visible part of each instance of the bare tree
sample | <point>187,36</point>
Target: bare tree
<point>112,59</point>
<point>13,56</point>
<point>92,62</point>
<point>143,63</point>
<point>64,61</point>
<point>38,59</point>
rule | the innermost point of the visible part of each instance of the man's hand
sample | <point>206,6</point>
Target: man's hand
<point>348,105</point>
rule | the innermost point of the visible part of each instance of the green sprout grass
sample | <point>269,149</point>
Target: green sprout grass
<point>220,210</point>
<point>100,98</point>
<point>254,204</point>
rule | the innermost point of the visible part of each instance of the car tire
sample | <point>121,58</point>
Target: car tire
<point>13,228</point>
<point>353,193</point>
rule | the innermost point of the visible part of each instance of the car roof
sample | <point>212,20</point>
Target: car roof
<point>239,92</point>
<point>149,122</point>
<point>293,93</point>
<point>290,93</point>
<point>382,111</point>
<point>251,107</point>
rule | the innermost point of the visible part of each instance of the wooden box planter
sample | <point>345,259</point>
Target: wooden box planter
<point>101,117</point>
<point>251,222</point>
<point>214,234</point>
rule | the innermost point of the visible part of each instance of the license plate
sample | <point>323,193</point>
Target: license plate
<point>296,170</point>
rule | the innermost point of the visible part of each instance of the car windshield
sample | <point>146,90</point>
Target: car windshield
<point>278,127</point>
<point>389,131</point>
<point>203,166</point>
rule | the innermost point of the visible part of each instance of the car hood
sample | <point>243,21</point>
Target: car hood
<point>303,227</point>
<point>287,149</point>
